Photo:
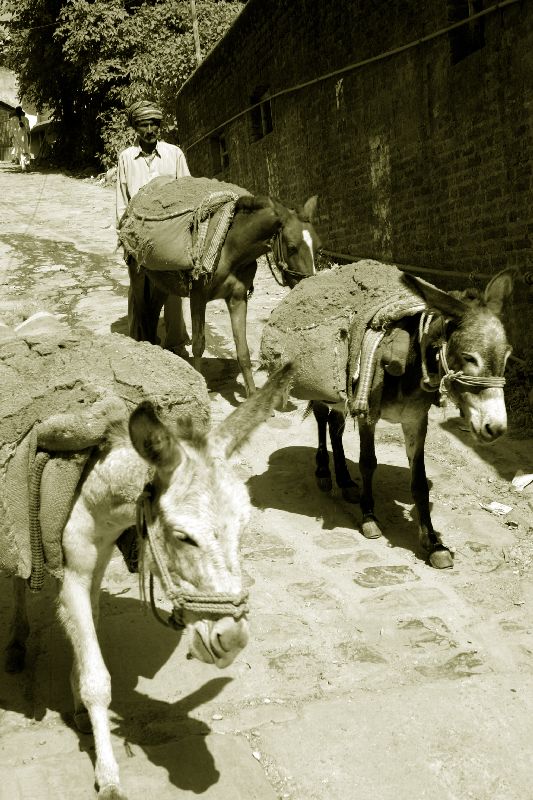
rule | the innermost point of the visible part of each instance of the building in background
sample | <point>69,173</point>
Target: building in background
<point>412,121</point>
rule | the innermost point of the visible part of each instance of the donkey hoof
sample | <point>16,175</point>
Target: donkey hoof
<point>370,529</point>
<point>441,558</point>
<point>351,493</point>
<point>82,721</point>
<point>111,792</point>
<point>15,658</point>
<point>324,483</point>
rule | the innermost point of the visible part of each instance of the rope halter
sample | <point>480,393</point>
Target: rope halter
<point>214,605</point>
<point>276,246</point>
<point>447,378</point>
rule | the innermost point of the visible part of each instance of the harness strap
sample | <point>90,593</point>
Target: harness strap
<point>449,376</point>
<point>430,383</point>
<point>279,261</point>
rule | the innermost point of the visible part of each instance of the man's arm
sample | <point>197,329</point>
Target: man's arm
<point>182,168</point>
<point>122,195</point>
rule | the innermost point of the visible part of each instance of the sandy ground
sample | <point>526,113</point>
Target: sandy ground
<point>368,674</point>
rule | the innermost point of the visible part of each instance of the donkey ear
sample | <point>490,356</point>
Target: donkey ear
<point>238,427</point>
<point>309,209</point>
<point>499,289</point>
<point>152,439</point>
<point>436,298</point>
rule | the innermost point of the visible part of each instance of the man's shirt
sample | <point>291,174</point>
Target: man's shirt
<point>135,169</point>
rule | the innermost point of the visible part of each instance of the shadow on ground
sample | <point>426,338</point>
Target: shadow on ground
<point>288,484</point>
<point>499,455</point>
<point>139,719</point>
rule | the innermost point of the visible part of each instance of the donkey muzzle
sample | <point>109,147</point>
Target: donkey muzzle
<point>218,641</point>
<point>486,414</point>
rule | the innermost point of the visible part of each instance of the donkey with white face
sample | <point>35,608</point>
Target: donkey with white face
<point>180,489</point>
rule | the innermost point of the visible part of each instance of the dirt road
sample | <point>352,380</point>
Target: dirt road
<point>368,674</point>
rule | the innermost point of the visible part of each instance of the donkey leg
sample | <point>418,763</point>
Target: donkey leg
<point>238,307</point>
<point>16,647</point>
<point>350,490</point>
<point>414,432</point>
<point>198,302</point>
<point>84,556</point>
<point>322,474</point>
<point>81,715</point>
<point>367,467</point>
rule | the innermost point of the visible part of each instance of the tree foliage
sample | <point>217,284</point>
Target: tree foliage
<point>87,60</point>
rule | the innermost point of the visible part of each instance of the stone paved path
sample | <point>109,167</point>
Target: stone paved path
<point>368,675</point>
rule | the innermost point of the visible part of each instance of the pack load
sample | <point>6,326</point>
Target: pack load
<point>332,325</point>
<point>64,389</point>
<point>179,224</point>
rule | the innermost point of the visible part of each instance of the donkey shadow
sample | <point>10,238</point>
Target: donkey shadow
<point>137,718</point>
<point>288,484</point>
<point>500,455</point>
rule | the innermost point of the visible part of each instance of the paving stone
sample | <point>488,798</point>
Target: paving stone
<point>373,577</point>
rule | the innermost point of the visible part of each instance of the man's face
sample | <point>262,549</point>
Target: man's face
<point>148,131</point>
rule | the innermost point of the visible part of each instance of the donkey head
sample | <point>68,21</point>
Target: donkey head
<point>199,508</point>
<point>477,346</point>
<point>298,242</point>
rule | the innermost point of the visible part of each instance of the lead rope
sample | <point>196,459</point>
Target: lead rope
<point>278,260</point>
<point>277,256</point>
<point>449,376</point>
<point>215,604</point>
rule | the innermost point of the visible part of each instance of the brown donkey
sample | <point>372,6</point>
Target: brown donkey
<point>462,352</point>
<point>260,224</point>
<point>192,508</point>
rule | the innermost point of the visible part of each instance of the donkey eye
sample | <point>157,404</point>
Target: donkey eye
<point>187,539</point>
<point>470,358</point>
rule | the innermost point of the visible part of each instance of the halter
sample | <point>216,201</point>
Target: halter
<point>276,247</point>
<point>215,604</point>
<point>447,377</point>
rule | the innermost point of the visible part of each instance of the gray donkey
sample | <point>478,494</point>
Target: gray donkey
<point>458,347</point>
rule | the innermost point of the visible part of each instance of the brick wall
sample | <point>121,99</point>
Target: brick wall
<point>424,158</point>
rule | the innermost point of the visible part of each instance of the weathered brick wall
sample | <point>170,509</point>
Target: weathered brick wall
<point>416,159</point>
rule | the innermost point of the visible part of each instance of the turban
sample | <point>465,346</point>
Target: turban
<point>141,110</point>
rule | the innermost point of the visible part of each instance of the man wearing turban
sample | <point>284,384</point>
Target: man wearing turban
<point>148,158</point>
